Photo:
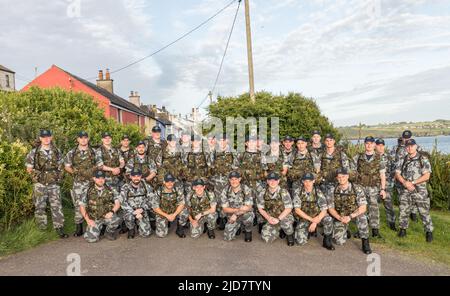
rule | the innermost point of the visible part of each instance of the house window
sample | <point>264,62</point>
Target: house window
<point>7,81</point>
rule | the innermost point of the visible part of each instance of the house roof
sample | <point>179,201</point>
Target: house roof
<point>2,68</point>
<point>114,99</point>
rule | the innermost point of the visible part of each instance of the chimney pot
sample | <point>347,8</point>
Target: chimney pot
<point>108,75</point>
<point>100,74</point>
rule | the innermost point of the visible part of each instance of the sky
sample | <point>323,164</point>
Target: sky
<point>368,61</point>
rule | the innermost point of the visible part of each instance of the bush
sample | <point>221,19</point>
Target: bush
<point>23,114</point>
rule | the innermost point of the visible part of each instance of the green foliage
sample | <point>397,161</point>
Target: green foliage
<point>22,115</point>
<point>298,115</point>
<point>439,185</point>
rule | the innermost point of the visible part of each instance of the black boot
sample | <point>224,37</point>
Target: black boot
<point>392,226</point>
<point>327,243</point>
<point>314,233</point>
<point>349,234</point>
<point>376,233</point>
<point>123,228</point>
<point>211,234</point>
<point>402,232</point>
<point>413,217</point>
<point>366,246</point>
<point>180,231</point>
<point>282,234</point>
<point>205,227</point>
<point>153,225</point>
<point>111,235</point>
<point>131,233</point>
<point>238,232</point>
<point>221,223</point>
<point>356,234</point>
<point>79,230</point>
<point>102,231</point>
<point>260,226</point>
<point>248,236</point>
<point>290,240</point>
<point>61,233</point>
<point>429,236</point>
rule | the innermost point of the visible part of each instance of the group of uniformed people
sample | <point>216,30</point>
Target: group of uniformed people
<point>293,189</point>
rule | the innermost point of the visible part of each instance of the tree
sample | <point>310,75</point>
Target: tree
<point>297,114</point>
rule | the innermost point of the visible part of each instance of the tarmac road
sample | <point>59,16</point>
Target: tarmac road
<point>175,256</point>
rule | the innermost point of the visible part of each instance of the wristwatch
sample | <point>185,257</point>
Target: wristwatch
<point>413,182</point>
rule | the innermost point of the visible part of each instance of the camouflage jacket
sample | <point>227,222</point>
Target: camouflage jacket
<point>154,149</point>
<point>168,202</point>
<point>329,163</point>
<point>108,157</point>
<point>311,203</point>
<point>199,204</point>
<point>230,199</point>
<point>347,201</point>
<point>223,162</point>
<point>300,164</point>
<point>133,198</point>
<point>251,167</point>
<point>274,203</point>
<point>144,162</point>
<point>98,202</point>
<point>369,169</point>
<point>82,162</point>
<point>412,168</point>
<point>46,165</point>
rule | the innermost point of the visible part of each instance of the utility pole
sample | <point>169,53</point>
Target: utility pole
<point>210,97</point>
<point>249,51</point>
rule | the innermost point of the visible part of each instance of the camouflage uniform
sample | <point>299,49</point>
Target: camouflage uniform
<point>316,151</point>
<point>390,174</point>
<point>412,168</point>
<point>274,204</point>
<point>229,199</point>
<point>126,155</point>
<point>300,164</point>
<point>222,163</point>
<point>143,162</point>
<point>197,166</point>
<point>98,202</point>
<point>345,202</point>
<point>199,204</point>
<point>155,150</point>
<point>276,164</point>
<point>168,202</point>
<point>170,161</point>
<point>312,204</point>
<point>47,174</point>
<point>83,163</point>
<point>133,198</point>
<point>329,163</point>
<point>368,177</point>
<point>110,158</point>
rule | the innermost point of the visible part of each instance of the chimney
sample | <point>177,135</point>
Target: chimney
<point>135,98</point>
<point>106,83</point>
<point>163,109</point>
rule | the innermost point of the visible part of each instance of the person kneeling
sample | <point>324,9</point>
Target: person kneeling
<point>202,210</point>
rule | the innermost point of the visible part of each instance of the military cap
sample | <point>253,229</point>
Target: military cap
<point>171,137</point>
<point>83,134</point>
<point>329,136</point>
<point>301,138</point>
<point>198,182</point>
<point>288,138</point>
<point>369,139</point>
<point>274,140</point>
<point>410,142</point>
<point>106,134</point>
<point>342,171</point>
<point>380,142</point>
<point>141,143</point>
<point>224,137</point>
<point>250,138</point>
<point>234,174</point>
<point>45,133</point>
<point>406,134</point>
<point>136,171</point>
<point>99,174</point>
<point>156,129</point>
<point>125,136</point>
<point>169,178</point>
<point>273,176</point>
<point>315,132</point>
<point>211,136</point>
<point>308,176</point>
<point>185,133</point>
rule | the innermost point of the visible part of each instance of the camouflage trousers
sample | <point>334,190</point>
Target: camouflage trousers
<point>210,221</point>
<point>389,206</point>
<point>417,199</point>
<point>162,224</point>
<point>327,190</point>
<point>143,224</point>
<point>92,234</point>
<point>78,191</point>
<point>372,196</point>
<point>301,231</point>
<point>219,183</point>
<point>52,193</point>
<point>399,187</point>
<point>231,228</point>
<point>340,229</point>
<point>270,232</point>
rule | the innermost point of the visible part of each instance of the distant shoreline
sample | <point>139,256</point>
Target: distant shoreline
<point>393,137</point>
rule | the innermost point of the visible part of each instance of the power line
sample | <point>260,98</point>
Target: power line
<point>223,57</point>
<point>173,42</point>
